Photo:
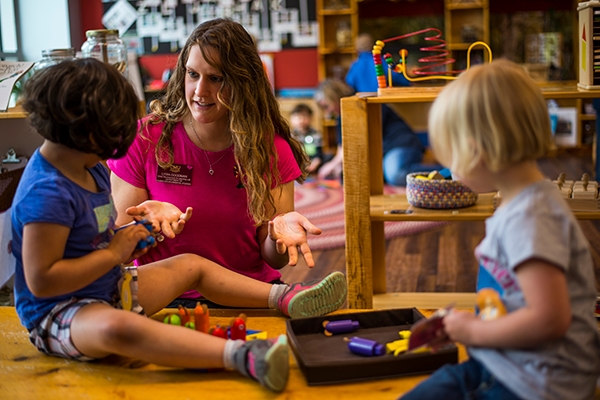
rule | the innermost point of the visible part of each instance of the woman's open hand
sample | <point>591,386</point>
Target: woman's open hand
<point>289,233</point>
<point>164,216</point>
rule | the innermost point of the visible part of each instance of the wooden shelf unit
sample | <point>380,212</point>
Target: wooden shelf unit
<point>334,51</point>
<point>335,58</point>
<point>458,15</point>
<point>14,113</point>
<point>17,133</point>
<point>589,44</point>
<point>364,201</point>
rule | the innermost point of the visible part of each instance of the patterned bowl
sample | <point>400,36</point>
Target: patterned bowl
<point>437,193</point>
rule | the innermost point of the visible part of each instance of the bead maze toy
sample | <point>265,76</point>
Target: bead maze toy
<point>428,72</point>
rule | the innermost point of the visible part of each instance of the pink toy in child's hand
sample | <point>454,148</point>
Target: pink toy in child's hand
<point>428,331</point>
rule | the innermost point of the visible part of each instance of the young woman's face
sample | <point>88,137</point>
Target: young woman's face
<point>202,83</point>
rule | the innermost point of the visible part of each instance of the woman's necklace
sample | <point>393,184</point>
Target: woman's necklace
<point>210,165</point>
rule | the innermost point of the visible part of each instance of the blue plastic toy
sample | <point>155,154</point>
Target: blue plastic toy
<point>142,244</point>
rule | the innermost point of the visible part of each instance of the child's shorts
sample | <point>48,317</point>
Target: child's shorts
<point>53,334</point>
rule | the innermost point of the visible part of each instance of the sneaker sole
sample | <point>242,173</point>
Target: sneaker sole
<point>323,298</point>
<point>278,360</point>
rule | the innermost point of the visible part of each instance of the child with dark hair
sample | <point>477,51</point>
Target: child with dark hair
<point>69,251</point>
<point>301,124</point>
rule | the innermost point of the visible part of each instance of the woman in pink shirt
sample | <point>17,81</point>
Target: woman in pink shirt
<point>217,143</point>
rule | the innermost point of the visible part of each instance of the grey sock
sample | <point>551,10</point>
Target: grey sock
<point>266,361</point>
<point>231,346</point>
<point>275,294</point>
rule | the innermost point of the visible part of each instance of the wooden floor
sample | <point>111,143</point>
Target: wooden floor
<point>442,260</point>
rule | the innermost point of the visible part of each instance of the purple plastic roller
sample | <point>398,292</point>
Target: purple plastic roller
<point>366,347</point>
<point>342,326</point>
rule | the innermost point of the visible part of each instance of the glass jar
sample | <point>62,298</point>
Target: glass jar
<point>106,46</point>
<point>54,56</point>
<point>343,35</point>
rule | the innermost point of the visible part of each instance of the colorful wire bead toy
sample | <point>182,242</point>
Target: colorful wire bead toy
<point>431,70</point>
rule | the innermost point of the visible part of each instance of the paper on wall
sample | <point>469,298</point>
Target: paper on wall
<point>10,73</point>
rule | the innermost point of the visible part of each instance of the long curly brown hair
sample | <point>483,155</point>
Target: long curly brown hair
<point>254,115</point>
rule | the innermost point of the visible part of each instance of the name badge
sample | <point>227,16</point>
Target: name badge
<point>178,174</point>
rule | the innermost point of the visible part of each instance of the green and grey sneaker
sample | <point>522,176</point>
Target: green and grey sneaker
<point>314,298</point>
<point>266,361</point>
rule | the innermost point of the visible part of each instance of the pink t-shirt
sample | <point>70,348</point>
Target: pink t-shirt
<point>220,229</point>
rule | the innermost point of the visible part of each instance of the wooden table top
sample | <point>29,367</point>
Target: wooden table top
<point>25,373</point>
<point>423,94</point>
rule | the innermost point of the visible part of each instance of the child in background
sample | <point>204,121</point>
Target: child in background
<point>301,123</point>
<point>534,253</point>
<point>362,76</point>
<point>69,251</point>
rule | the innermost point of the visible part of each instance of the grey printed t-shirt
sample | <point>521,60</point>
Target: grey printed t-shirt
<point>539,224</point>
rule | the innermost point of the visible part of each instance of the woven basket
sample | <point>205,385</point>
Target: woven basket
<point>438,193</point>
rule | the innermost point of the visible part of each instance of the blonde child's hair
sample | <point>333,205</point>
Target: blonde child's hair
<point>494,113</point>
<point>332,90</point>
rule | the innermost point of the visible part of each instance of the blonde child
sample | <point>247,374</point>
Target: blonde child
<point>69,251</point>
<point>489,126</point>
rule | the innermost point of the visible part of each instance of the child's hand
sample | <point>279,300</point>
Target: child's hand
<point>124,243</point>
<point>331,169</point>
<point>459,326</point>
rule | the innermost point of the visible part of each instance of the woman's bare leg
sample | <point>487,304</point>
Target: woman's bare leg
<point>162,281</point>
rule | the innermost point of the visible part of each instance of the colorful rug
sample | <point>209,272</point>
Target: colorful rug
<point>323,205</point>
